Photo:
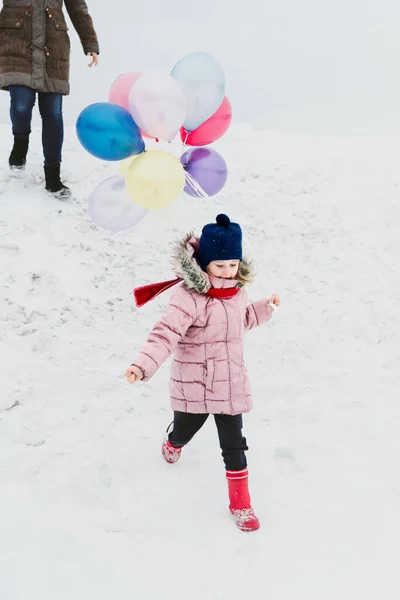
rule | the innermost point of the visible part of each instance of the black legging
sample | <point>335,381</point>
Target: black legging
<point>231,440</point>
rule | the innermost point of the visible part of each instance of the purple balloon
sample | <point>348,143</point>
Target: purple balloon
<point>207,167</point>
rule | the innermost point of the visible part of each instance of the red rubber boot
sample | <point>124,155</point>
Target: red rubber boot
<point>239,497</point>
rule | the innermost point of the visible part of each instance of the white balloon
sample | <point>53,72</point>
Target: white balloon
<point>158,106</point>
<point>203,81</point>
<point>111,208</point>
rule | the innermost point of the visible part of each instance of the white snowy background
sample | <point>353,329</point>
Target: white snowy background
<point>88,508</point>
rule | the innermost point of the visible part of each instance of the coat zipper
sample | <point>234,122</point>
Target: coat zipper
<point>229,358</point>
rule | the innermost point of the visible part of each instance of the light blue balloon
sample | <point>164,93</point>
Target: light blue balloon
<point>109,132</point>
<point>203,81</point>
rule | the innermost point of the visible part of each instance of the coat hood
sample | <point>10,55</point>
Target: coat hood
<point>186,266</point>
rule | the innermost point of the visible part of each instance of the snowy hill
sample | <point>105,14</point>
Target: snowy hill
<point>88,509</point>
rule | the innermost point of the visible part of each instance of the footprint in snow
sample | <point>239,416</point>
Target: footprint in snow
<point>286,462</point>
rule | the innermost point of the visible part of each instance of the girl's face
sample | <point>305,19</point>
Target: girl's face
<point>223,269</point>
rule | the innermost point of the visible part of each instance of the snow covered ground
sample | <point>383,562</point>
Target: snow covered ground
<point>88,508</point>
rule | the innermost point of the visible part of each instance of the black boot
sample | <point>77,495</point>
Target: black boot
<point>54,183</point>
<point>17,160</point>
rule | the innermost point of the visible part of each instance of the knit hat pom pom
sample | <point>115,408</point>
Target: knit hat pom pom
<point>223,220</point>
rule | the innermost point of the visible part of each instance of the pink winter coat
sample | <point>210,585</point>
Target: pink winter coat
<point>205,336</point>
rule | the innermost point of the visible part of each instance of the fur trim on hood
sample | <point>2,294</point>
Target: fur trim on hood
<point>185,265</point>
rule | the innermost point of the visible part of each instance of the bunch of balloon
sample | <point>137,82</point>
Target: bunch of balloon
<point>139,106</point>
<point>208,117</point>
<point>189,102</point>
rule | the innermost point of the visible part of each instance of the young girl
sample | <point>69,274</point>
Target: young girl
<point>204,327</point>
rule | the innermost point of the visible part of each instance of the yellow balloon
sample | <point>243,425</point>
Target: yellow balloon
<point>155,179</point>
<point>125,164</point>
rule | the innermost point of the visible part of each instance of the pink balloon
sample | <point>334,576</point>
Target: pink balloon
<point>120,89</point>
<point>211,130</point>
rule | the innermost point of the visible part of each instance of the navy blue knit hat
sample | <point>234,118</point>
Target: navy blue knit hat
<point>220,241</point>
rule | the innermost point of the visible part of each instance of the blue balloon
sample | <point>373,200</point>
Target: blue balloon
<point>203,81</point>
<point>109,132</point>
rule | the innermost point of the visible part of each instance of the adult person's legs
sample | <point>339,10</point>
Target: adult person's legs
<point>22,101</point>
<point>50,107</point>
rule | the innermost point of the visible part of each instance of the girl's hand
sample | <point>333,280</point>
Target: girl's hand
<point>274,301</point>
<point>95,59</point>
<point>134,374</point>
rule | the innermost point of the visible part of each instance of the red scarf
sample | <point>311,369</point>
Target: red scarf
<point>148,292</point>
<point>222,292</point>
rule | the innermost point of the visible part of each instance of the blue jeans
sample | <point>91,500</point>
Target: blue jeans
<point>50,108</point>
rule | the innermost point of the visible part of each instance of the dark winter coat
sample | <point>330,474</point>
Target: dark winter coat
<point>35,46</point>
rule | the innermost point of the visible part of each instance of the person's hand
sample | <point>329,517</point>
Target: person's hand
<point>95,59</point>
<point>274,301</point>
<point>134,374</point>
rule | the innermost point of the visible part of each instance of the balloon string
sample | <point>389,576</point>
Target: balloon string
<point>195,186</point>
<point>184,145</point>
